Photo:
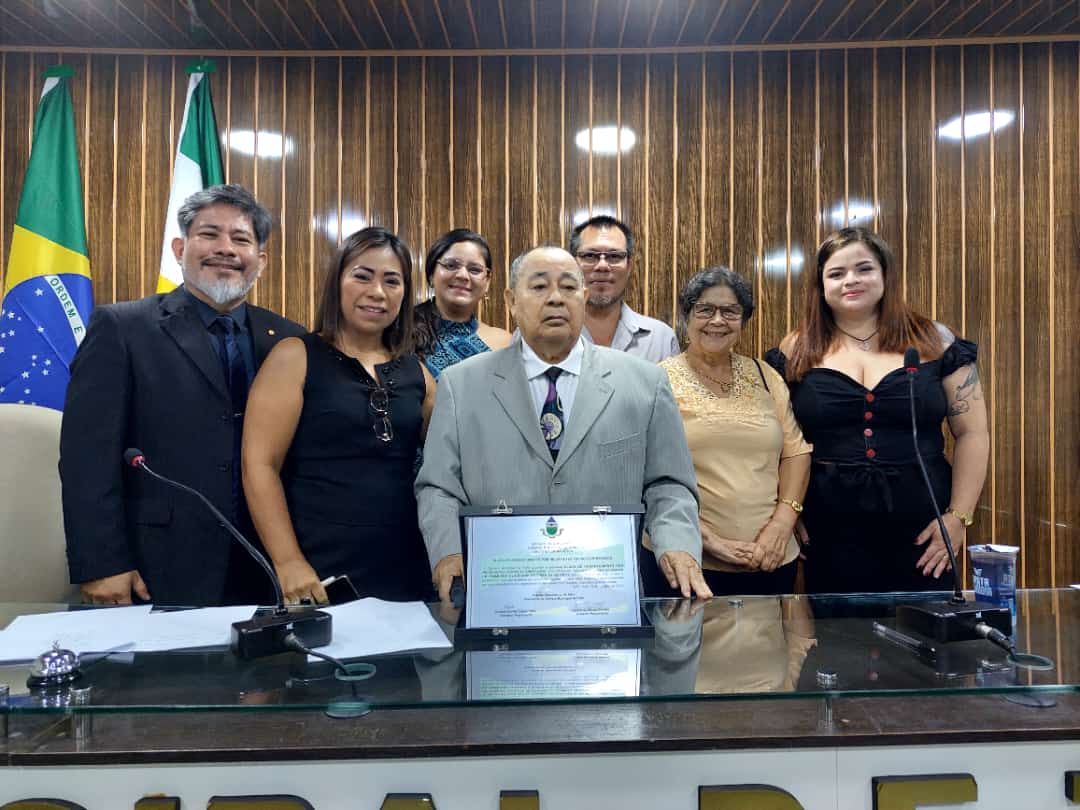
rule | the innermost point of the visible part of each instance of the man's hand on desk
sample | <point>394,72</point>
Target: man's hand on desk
<point>449,567</point>
<point>682,572</point>
<point>115,590</point>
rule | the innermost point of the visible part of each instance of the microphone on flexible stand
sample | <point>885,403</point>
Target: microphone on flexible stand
<point>956,619</point>
<point>259,635</point>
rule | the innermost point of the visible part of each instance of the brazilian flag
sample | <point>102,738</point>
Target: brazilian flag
<point>47,292</point>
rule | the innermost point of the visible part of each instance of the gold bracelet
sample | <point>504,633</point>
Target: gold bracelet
<point>964,518</point>
<point>794,504</point>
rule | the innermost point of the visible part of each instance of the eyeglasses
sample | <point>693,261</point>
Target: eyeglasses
<point>453,265</point>
<point>591,258</point>
<point>729,312</point>
<point>379,404</point>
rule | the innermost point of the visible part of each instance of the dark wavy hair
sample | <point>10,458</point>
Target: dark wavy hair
<point>426,317</point>
<point>705,280</point>
<point>899,325</point>
<point>397,337</point>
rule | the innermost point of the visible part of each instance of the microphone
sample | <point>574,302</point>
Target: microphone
<point>260,635</point>
<point>957,619</point>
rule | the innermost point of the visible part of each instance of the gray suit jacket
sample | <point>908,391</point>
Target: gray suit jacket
<point>624,443</point>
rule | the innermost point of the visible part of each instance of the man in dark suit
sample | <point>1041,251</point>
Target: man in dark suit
<point>169,374</point>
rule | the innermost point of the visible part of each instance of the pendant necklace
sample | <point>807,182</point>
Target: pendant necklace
<point>725,385</point>
<point>864,343</point>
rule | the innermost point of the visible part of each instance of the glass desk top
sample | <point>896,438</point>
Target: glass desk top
<point>726,648</point>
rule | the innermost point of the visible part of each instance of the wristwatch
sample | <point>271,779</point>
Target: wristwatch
<point>794,504</point>
<point>963,517</point>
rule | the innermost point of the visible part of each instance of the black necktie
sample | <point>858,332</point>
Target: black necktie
<point>552,421</point>
<point>232,364</point>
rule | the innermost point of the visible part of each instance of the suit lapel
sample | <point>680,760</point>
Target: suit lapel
<point>511,390</point>
<point>263,334</point>
<point>182,324</point>
<point>593,393</point>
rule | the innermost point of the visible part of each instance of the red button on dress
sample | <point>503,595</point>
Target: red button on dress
<point>869,397</point>
<point>871,453</point>
<point>867,416</point>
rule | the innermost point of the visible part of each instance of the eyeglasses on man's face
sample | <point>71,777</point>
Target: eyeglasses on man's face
<point>591,258</point>
<point>729,312</point>
<point>379,404</point>
<point>474,269</point>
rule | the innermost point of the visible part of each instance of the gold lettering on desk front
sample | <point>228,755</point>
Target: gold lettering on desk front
<point>41,804</point>
<point>408,801</point>
<point>1072,786</point>
<point>519,800</point>
<point>740,797</point>
<point>158,803</point>
<point>911,792</point>
<point>279,802</point>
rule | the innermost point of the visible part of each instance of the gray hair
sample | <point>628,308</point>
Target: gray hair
<point>519,262</point>
<point>707,279</point>
<point>234,195</point>
<point>601,221</point>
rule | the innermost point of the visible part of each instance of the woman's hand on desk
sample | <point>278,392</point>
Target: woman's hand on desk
<point>733,552</point>
<point>299,581</point>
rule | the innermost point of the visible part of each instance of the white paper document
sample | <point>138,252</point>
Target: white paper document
<point>374,627</point>
<point>184,629</point>
<point>81,631</point>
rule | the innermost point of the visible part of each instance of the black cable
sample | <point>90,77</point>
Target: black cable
<point>1025,660</point>
<point>359,671</point>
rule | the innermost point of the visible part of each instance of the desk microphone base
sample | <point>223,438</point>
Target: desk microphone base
<point>265,635</point>
<point>951,621</point>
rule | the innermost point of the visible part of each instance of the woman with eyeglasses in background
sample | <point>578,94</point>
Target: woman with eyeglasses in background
<point>750,458</point>
<point>333,422</point>
<point>447,329</point>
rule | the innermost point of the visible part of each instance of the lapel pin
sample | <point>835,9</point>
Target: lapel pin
<point>270,332</point>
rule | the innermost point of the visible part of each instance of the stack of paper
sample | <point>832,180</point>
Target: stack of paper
<point>374,627</point>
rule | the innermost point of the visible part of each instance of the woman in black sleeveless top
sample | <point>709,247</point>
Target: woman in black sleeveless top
<point>333,423</point>
<point>868,519</point>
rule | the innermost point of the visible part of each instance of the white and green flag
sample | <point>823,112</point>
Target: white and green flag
<point>198,163</point>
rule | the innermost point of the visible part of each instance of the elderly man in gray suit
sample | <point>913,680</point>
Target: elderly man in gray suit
<point>553,418</point>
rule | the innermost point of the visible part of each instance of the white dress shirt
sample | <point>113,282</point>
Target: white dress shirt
<point>565,385</point>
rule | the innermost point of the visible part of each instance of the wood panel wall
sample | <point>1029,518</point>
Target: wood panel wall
<point>742,158</point>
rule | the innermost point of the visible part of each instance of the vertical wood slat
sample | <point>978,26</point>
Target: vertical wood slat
<point>700,187</point>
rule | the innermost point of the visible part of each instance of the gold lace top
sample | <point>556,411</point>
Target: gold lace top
<point>737,443</point>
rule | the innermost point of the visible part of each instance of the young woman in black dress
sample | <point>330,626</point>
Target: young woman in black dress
<point>333,423</point>
<point>868,520</point>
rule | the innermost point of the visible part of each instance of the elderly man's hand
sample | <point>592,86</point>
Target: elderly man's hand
<point>682,572</point>
<point>442,577</point>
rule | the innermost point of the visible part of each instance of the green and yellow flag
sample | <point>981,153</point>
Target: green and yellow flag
<point>47,292</point>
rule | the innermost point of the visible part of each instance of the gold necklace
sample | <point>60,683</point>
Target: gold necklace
<point>725,385</point>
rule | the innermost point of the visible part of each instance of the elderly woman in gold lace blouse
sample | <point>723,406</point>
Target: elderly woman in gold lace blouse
<point>750,457</point>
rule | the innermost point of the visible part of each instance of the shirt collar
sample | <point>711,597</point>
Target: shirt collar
<point>534,366</point>
<point>633,322</point>
<point>207,314</point>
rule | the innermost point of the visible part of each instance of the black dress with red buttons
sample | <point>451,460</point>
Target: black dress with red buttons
<point>866,502</point>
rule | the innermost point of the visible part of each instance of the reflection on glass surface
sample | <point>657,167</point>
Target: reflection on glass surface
<point>975,125</point>
<point>606,140</point>
<point>768,647</point>
<point>755,645</point>
<point>267,144</point>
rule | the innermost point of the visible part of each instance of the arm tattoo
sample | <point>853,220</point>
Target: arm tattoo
<point>966,392</point>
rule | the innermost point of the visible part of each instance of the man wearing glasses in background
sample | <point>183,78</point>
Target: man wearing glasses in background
<point>604,249</point>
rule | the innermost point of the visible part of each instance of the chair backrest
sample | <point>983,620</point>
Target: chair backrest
<point>33,562</point>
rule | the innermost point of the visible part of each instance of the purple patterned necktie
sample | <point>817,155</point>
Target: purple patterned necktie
<point>551,415</point>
